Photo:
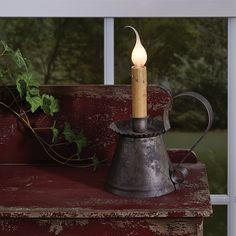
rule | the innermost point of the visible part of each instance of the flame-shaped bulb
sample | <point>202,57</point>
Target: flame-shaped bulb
<point>139,54</point>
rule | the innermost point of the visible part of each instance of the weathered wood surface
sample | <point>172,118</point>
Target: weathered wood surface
<point>50,200</point>
<point>102,227</point>
<point>60,192</point>
<point>89,107</point>
<point>38,198</point>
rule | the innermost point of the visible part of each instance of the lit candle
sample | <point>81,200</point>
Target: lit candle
<point>139,79</point>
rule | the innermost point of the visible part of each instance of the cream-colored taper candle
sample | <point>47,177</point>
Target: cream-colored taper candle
<point>139,79</point>
<point>139,92</point>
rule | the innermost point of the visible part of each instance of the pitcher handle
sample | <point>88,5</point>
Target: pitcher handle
<point>179,173</point>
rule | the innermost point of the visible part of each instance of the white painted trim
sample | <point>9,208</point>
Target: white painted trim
<point>108,50</point>
<point>219,199</point>
<point>232,126</point>
<point>118,8</point>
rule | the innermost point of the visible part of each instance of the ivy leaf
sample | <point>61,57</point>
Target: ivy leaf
<point>21,86</point>
<point>25,82</point>
<point>35,102</point>
<point>6,47</point>
<point>55,134</point>
<point>34,91</point>
<point>19,60</point>
<point>29,80</point>
<point>80,142</point>
<point>49,104</point>
<point>68,133</point>
<point>96,162</point>
<point>54,107</point>
<point>72,137</point>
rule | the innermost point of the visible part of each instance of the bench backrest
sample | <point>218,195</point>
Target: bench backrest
<point>91,108</point>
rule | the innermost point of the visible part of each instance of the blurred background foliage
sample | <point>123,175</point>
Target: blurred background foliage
<point>183,54</point>
<point>61,50</point>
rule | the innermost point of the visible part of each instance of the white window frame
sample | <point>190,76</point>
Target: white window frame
<point>109,9</point>
<point>118,8</point>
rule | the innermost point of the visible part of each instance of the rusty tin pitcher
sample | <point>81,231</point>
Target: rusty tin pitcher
<point>141,166</point>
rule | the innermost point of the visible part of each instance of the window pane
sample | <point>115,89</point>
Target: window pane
<point>217,225</point>
<point>212,151</point>
<point>185,54</point>
<point>61,50</point>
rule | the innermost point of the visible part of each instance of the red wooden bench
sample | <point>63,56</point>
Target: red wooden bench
<point>39,197</point>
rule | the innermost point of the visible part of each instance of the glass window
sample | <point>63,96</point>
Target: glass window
<point>212,151</point>
<point>216,225</point>
<point>61,50</point>
<point>185,54</point>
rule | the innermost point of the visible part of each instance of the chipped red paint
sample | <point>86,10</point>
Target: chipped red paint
<point>92,108</point>
<point>51,191</point>
<point>177,155</point>
<point>101,227</point>
<point>89,107</point>
<point>39,198</point>
<point>42,198</point>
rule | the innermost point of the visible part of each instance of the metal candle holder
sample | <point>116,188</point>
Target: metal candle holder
<point>141,166</point>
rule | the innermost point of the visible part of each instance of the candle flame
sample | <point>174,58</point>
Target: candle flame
<point>139,54</point>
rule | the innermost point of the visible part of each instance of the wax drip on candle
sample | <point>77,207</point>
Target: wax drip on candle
<point>139,54</point>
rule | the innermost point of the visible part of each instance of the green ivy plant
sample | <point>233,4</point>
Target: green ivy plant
<point>28,99</point>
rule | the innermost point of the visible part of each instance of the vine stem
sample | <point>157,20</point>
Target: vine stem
<point>42,128</point>
<point>27,124</point>
<point>21,113</point>
<point>59,144</point>
<point>43,142</point>
<point>3,53</point>
<point>40,140</point>
<point>14,98</point>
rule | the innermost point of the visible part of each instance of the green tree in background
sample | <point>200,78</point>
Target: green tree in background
<point>183,55</point>
<point>62,50</point>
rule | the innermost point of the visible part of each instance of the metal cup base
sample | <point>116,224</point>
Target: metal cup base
<point>139,125</point>
<point>140,168</point>
<point>136,194</point>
